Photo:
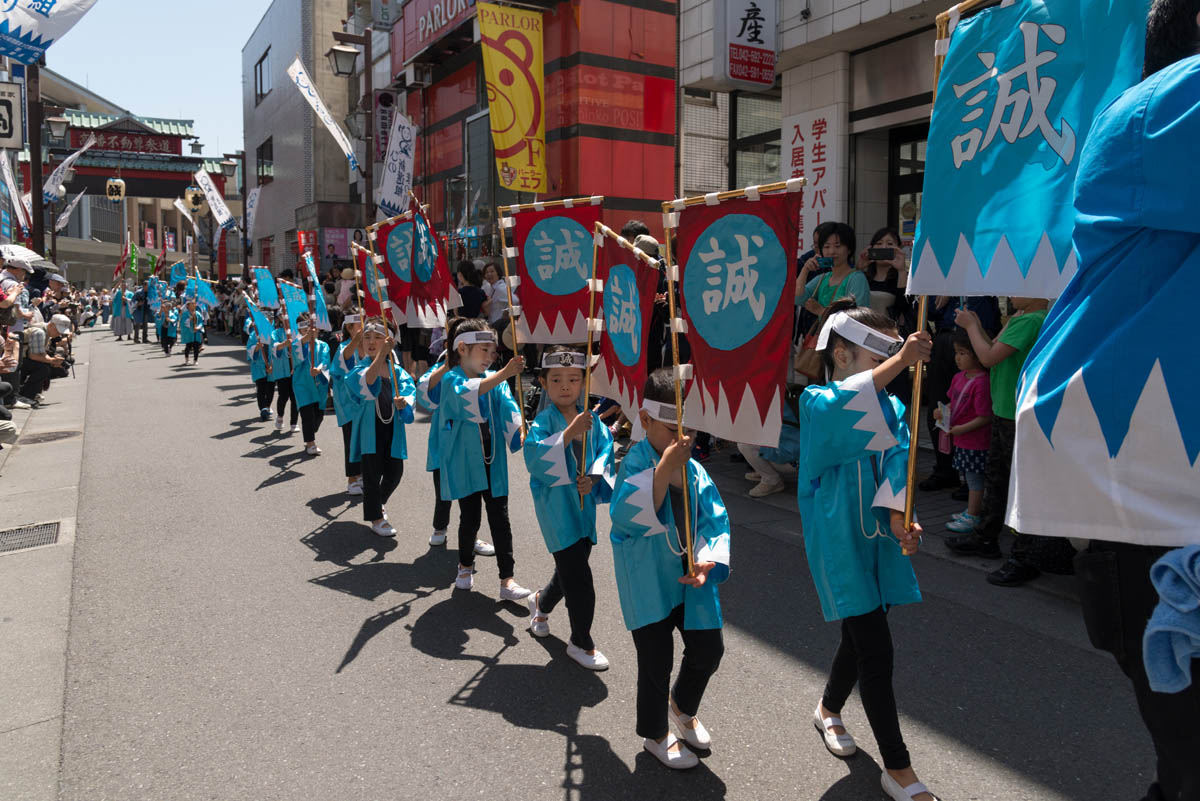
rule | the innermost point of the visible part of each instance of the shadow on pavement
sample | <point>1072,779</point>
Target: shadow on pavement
<point>284,463</point>
<point>239,427</point>
<point>861,782</point>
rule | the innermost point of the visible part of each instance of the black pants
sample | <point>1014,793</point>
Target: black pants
<point>265,388</point>
<point>572,580</point>
<point>284,386</point>
<point>865,657</point>
<point>655,645</point>
<point>310,420</point>
<point>441,507</point>
<point>5,391</point>
<point>381,472</point>
<point>167,344</point>
<point>1117,600</point>
<point>140,334</point>
<point>192,348</point>
<point>36,374</point>
<point>352,468</point>
<point>469,516</point>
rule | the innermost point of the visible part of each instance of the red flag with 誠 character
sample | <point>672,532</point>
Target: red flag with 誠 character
<point>364,272</point>
<point>737,275</point>
<point>393,240</point>
<point>552,253</point>
<point>626,305</point>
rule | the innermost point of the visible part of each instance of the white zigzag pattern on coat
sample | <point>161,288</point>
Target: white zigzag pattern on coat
<point>556,458</point>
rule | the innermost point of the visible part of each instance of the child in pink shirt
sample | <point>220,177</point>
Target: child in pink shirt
<point>970,421</point>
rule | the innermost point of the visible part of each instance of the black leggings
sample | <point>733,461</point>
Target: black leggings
<point>865,656</point>
<point>655,644</point>
<point>310,420</point>
<point>266,392</point>
<point>470,511</point>
<point>352,468</point>
<point>441,508</point>
<point>167,344</point>
<point>572,580</point>
<point>284,385</point>
<point>381,472</point>
<point>193,348</point>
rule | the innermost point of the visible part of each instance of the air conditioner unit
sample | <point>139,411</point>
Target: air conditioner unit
<point>419,76</point>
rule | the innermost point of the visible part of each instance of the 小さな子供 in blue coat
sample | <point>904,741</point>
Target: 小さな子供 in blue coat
<point>465,468</point>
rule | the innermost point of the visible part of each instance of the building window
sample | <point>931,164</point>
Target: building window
<point>699,97</point>
<point>262,77</point>
<point>264,162</point>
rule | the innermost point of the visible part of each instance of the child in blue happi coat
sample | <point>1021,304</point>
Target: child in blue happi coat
<point>191,331</point>
<point>349,353</point>
<point>657,594</point>
<point>380,397</point>
<point>310,379</point>
<point>281,372</point>
<point>567,484</point>
<point>852,488</point>
<point>169,325</point>
<point>258,354</point>
<point>479,420</point>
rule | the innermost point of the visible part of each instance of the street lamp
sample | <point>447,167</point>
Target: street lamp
<point>197,148</point>
<point>342,58</point>
<point>58,126</point>
<point>229,167</point>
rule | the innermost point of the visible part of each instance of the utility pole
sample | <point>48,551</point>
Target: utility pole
<point>37,225</point>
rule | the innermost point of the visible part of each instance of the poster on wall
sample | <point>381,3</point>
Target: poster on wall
<point>745,44</point>
<point>812,149</point>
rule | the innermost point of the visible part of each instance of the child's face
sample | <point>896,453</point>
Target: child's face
<point>477,358</point>
<point>964,358</point>
<point>659,433</point>
<point>373,342</point>
<point>563,385</point>
<point>852,360</point>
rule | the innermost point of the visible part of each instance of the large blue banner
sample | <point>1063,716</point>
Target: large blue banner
<point>268,297</point>
<point>1019,89</point>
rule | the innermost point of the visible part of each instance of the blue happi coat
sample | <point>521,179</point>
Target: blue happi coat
<point>852,474</point>
<point>118,303</point>
<point>167,323</point>
<point>281,362</point>
<point>307,388</point>
<point>257,359</point>
<point>345,401</point>
<point>191,327</point>
<point>363,397</point>
<point>552,473</point>
<point>429,397</point>
<point>127,305</point>
<point>464,470</point>
<point>645,539</point>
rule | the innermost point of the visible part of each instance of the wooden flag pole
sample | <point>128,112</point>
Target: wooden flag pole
<point>687,507</point>
<point>587,368</point>
<point>514,318</point>
<point>373,268</point>
<point>566,203</point>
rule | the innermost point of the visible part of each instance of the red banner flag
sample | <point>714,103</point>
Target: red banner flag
<point>364,271</point>
<point>433,291</point>
<point>552,253</point>
<point>737,275</point>
<point>121,264</point>
<point>393,246</point>
<point>626,305</point>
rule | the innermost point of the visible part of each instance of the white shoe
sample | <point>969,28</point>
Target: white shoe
<point>596,661</point>
<point>678,760</point>
<point>296,429</point>
<point>278,423</point>
<point>840,745</point>
<point>437,538</point>
<point>313,450</point>
<point>538,628</point>
<point>23,403</point>
<point>765,488</point>
<point>514,592</point>
<point>697,737</point>
<point>898,793</point>
<point>484,548</point>
<point>466,578</point>
<point>354,488</point>
<point>752,476</point>
<point>384,529</point>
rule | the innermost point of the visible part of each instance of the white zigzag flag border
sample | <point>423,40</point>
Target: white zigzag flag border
<point>1045,279</point>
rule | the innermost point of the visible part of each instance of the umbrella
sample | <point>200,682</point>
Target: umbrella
<point>25,257</point>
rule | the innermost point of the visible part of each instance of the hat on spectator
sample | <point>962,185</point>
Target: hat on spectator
<point>61,322</point>
<point>647,244</point>
<point>58,278</point>
<point>348,274</point>
<point>13,264</point>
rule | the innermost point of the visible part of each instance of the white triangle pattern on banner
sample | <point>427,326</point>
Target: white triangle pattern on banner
<point>705,413</point>
<point>1044,278</point>
<point>555,333</point>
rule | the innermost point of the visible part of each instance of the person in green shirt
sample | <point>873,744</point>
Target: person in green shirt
<point>1004,356</point>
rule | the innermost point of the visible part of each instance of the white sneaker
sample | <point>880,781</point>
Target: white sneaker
<point>697,737</point>
<point>752,476</point>
<point>514,592</point>
<point>677,760</point>
<point>278,423</point>
<point>898,793</point>
<point>384,529</point>
<point>23,403</point>
<point>596,661</point>
<point>354,488</point>
<point>765,488</point>
<point>296,429</point>
<point>437,538</point>
<point>313,450</point>
<point>538,628</point>
<point>840,745</point>
<point>484,548</point>
<point>466,578</point>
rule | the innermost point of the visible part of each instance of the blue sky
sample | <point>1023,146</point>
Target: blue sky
<point>166,59</point>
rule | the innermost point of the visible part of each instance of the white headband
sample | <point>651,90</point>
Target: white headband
<point>352,318</point>
<point>302,325</point>
<point>662,412</point>
<point>564,358</point>
<point>376,328</point>
<point>475,338</point>
<point>852,330</point>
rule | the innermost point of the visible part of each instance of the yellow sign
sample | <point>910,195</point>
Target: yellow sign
<point>512,63</point>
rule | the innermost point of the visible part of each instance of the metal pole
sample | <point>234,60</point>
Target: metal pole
<point>38,209</point>
<point>368,104</point>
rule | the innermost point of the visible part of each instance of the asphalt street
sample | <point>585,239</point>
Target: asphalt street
<point>238,633</point>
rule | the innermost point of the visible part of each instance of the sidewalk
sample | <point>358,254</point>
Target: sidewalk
<point>39,478</point>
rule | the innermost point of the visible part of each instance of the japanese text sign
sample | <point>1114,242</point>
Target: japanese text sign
<point>811,148</point>
<point>513,66</point>
<point>744,43</point>
<point>29,27</point>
